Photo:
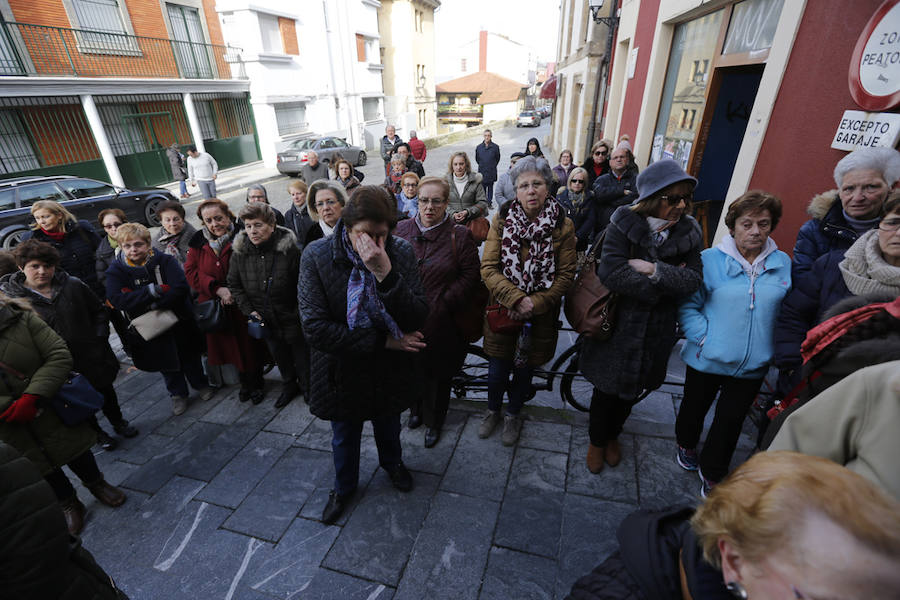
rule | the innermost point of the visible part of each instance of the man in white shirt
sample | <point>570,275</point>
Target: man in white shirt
<point>202,169</point>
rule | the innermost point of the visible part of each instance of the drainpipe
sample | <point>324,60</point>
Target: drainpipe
<point>330,38</point>
<point>106,152</point>
<point>600,88</point>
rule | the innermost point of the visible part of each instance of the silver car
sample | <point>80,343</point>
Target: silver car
<point>296,155</point>
<point>528,118</point>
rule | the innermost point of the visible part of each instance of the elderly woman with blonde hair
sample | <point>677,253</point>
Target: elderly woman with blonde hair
<point>783,525</point>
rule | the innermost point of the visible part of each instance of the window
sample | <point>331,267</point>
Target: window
<point>291,117</point>
<point>29,194</point>
<point>420,76</point>
<point>339,143</point>
<point>371,109</point>
<point>105,21</point>
<point>420,19</point>
<point>423,119</point>
<point>462,65</point>
<point>86,188</point>
<point>190,45</point>
<point>16,151</point>
<point>207,119</point>
<point>289,42</point>
<point>360,47</point>
<point>124,134</point>
<point>327,143</point>
<point>7,199</point>
<point>271,34</point>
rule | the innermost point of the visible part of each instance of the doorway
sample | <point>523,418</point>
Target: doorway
<point>732,95</point>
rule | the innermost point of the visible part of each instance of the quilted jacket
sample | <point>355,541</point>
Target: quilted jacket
<point>827,230</point>
<point>352,375</point>
<point>252,266</point>
<point>472,200</point>
<point>635,357</point>
<point>39,557</point>
<point>29,346</point>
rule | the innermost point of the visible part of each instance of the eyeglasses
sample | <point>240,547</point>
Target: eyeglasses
<point>889,225</point>
<point>600,153</point>
<point>111,225</point>
<point>578,181</point>
<point>412,185</point>
<point>431,201</point>
<point>534,185</point>
<point>676,200</point>
<point>326,203</point>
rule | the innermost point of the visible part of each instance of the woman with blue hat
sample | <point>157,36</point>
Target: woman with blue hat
<point>651,260</point>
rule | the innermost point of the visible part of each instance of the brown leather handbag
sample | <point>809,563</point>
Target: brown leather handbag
<point>590,306</point>
<point>479,226</point>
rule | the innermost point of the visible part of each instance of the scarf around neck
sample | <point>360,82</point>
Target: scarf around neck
<point>866,272</point>
<point>364,306</point>
<point>537,271</point>
<point>56,236</point>
<point>169,242</point>
<point>460,183</point>
<point>216,244</point>
<point>112,242</point>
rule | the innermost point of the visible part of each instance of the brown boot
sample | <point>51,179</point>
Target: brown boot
<point>613,453</point>
<point>595,458</point>
<point>73,510</point>
<point>107,494</point>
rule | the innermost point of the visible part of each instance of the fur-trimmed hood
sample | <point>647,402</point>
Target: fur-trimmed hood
<point>284,241</point>
<point>821,204</point>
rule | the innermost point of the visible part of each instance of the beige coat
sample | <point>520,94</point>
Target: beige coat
<point>546,302</point>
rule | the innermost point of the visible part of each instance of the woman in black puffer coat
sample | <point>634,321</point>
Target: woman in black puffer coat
<point>75,241</point>
<point>362,305</point>
<point>651,260</point>
<point>38,557</point>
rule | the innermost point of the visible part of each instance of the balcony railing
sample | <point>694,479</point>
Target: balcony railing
<point>460,111</point>
<point>39,50</point>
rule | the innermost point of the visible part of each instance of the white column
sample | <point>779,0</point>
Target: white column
<point>193,122</point>
<point>106,152</point>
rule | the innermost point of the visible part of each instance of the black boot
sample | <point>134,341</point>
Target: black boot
<point>289,391</point>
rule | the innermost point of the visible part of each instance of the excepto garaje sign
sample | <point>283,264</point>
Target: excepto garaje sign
<point>859,129</point>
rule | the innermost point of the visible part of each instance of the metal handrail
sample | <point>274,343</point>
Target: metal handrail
<point>42,50</point>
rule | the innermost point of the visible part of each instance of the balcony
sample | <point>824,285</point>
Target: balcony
<point>460,112</point>
<point>38,50</point>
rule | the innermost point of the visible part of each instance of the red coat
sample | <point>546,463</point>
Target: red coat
<point>448,286</point>
<point>417,147</point>
<point>206,273</point>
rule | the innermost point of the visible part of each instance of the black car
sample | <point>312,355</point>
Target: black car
<point>82,197</point>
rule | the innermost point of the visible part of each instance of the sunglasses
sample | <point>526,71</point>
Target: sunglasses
<point>578,181</point>
<point>676,200</point>
<point>600,153</point>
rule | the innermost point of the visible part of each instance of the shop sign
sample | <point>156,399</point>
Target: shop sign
<point>875,65</point>
<point>859,129</point>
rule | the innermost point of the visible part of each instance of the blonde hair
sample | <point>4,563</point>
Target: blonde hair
<point>454,155</point>
<point>298,185</point>
<point>130,231</point>
<point>763,506</point>
<point>56,208</point>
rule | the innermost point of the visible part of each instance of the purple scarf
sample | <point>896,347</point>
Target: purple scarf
<point>364,306</point>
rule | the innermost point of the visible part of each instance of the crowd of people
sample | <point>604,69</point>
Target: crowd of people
<point>365,297</point>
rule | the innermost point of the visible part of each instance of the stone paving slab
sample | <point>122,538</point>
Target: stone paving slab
<point>377,539</point>
<point>512,574</point>
<point>478,467</point>
<point>451,550</point>
<point>530,521</point>
<point>159,469</point>
<point>612,483</point>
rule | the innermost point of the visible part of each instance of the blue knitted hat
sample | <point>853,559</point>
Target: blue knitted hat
<point>659,175</point>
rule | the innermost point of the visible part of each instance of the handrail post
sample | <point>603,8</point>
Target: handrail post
<point>175,58</point>
<point>66,48</point>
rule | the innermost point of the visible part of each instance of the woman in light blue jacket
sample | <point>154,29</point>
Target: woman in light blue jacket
<point>729,325</point>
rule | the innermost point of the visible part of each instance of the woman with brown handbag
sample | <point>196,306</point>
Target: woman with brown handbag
<point>468,203</point>
<point>528,264</point>
<point>450,271</point>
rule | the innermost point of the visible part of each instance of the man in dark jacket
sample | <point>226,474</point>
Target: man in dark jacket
<point>412,164</point>
<point>615,188</point>
<point>313,169</point>
<point>487,155</point>
<point>38,557</point>
<point>388,142</point>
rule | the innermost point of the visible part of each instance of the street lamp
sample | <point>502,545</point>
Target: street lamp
<point>595,5</point>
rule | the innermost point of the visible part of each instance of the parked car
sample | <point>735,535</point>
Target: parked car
<point>82,197</point>
<point>545,111</point>
<point>528,118</point>
<point>296,155</point>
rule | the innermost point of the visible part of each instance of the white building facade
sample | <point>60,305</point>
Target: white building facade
<point>493,53</point>
<point>314,68</point>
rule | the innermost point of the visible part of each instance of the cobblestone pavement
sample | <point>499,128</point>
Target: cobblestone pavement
<point>224,501</point>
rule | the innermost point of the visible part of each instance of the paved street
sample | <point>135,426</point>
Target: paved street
<point>224,500</point>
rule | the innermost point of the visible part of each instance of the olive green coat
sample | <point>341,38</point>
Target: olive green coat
<point>546,302</point>
<point>29,346</point>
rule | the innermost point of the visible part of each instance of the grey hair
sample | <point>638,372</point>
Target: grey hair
<point>312,153</point>
<point>396,158</point>
<point>530,164</point>
<point>412,133</point>
<point>324,184</point>
<point>884,160</point>
<point>257,186</point>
